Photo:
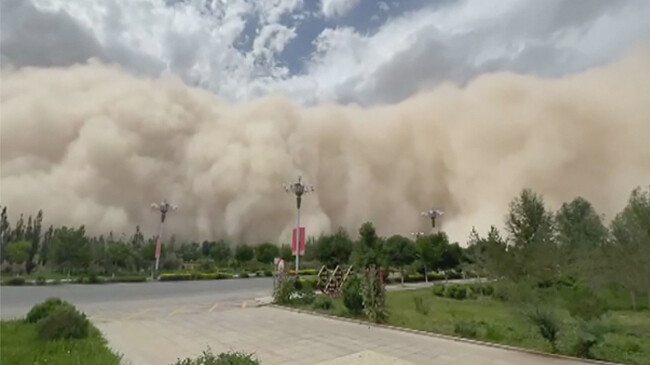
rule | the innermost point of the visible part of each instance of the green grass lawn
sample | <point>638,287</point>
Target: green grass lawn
<point>20,345</point>
<point>491,320</point>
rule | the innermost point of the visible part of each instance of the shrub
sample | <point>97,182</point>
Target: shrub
<point>229,358</point>
<point>434,276</point>
<point>352,298</point>
<point>420,306</point>
<point>175,277</point>
<point>439,290</point>
<point>467,329</point>
<point>306,294</point>
<point>259,274</point>
<point>460,293</point>
<point>450,291</point>
<point>584,304</point>
<point>127,279</point>
<point>63,322</point>
<point>374,296</point>
<point>15,281</point>
<point>589,334</point>
<point>311,282</point>
<point>93,279</point>
<point>323,302</point>
<point>42,310</point>
<point>243,275</point>
<point>487,290</point>
<point>268,273</point>
<point>40,280</point>
<point>207,265</point>
<point>284,289</point>
<point>547,324</point>
<point>414,278</point>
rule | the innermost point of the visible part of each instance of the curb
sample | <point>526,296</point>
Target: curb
<point>442,336</point>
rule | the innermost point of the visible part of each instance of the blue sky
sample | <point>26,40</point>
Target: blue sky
<point>345,51</point>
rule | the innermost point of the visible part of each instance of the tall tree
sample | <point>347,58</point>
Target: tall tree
<point>244,253</point>
<point>70,249</point>
<point>35,238</point>
<point>333,250</point>
<point>221,252</point>
<point>266,252</point>
<point>5,231</point>
<point>580,232</point>
<point>426,255</point>
<point>530,228</point>
<point>18,252</point>
<point>18,233</point>
<point>45,246</point>
<point>400,252</point>
<point>367,251</point>
<point>629,252</point>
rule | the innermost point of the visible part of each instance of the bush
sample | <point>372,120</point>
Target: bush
<point>450,291</point>
<point>284,289</point>
<point>40,280</point>
<point>323,302</point>
<point>420,306</point>
<point>268,273</point>
<point>92,279</point>
<point>207,265</point>
<point>306,294</point>
<point>175,277</point>
<point>62,323</point>
<point>414,278</point>
<point>352,298</point>
<point>243,275</point>
<point>127,279</point>
<point>466,329</point>
<point>584,304</point>
<point>42,310</point>
<point>311,282</point>
<point>14,281</point>
<point>460,293</point>
<point>439,290</point>
<point>487,290</point>
<point>589,334</point>
<point>434,276</point>
<point>374,296</point>
<point>547,324</point>
<point>230,358</point>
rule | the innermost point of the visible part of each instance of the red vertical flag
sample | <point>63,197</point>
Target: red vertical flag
<point>302,242</point>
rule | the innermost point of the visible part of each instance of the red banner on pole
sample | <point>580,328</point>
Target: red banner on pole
<point>158,246</point>
<point>302,242</point>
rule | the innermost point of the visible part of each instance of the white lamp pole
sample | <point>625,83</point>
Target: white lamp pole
<point>163,208</point>
<point>299,189</point>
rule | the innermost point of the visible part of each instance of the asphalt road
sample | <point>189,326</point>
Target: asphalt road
<point>15,301</point>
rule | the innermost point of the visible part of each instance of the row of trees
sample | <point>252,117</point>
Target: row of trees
<point>574,243</point>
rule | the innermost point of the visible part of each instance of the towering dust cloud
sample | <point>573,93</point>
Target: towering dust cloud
<point>92,145</point>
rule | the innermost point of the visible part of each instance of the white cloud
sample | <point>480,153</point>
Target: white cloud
<point>197,40</point>
<point>337,8</point>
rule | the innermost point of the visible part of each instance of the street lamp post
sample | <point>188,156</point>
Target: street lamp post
<point>432,214</point>
<point>163,208</point>
<point>299,189</point>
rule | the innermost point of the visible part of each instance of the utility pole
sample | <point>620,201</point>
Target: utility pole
<point>163,208</point>
<point>299,189</point>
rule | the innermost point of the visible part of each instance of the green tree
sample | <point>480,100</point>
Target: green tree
<point>206,247</point>
<point>70,249</point>
<point>18,252</point>
<point>266,252</point>
<point>220,252</point>
<point>5,231</point>
<point>18,233</point>
<point>400,252</point>
<point>333,250</point>
<point>427,256</point>
<point>189,251</point>
<point>368,249</point>
<point>580,232</point>
<point>243,253</point>
<point>35,239</point>
<point>530,228</point>
<point>285,253</point>
<point>45,245</point>
<point>628,255</point>
<point>488,256</point>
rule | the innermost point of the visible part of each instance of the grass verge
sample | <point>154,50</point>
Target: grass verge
<point>490,320</point>
<point>19,344</point>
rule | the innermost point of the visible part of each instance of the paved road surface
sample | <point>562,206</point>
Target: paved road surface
<point>277,336</point>
<point>16,301</point>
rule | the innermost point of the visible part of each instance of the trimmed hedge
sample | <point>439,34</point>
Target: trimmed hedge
<point>304,272</point>
<point>14,281</point>
<point>194,276</point>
